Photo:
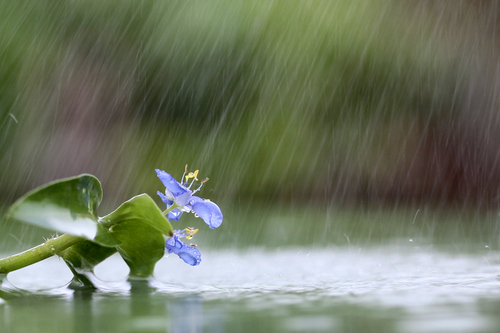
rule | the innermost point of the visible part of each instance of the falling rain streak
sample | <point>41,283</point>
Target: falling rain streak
<point>353,146</point>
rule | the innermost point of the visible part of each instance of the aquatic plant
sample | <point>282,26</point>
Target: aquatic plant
<point>138,229</point>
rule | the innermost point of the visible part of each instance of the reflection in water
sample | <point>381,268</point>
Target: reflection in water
<point>82,311</point>
<point>186,315</point>
<point>403,288</point>
<point>142,311</point>
<point>203,317</point>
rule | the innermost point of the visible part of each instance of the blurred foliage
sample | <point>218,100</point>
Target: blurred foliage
<point>272,99</point>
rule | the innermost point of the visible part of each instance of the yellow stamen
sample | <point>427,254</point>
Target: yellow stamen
<point>204,180</point>
<point>192,175</point>
<point>191,232</point>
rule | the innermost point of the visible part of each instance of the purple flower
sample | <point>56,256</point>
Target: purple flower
<point>180,199</point>
<point>188,253</point>
<point>181,196</point>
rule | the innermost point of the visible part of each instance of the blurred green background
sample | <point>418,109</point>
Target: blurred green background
<point>310,102</point>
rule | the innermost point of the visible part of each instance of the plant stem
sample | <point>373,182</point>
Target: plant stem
<point>169,209</point>
<point>38,253</point>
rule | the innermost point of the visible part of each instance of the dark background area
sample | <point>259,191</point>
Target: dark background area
<point>314,102</point>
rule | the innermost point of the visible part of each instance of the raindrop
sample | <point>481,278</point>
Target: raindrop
<point>14,117</point>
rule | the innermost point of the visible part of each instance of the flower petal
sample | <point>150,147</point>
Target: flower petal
<point>174,215</point>
<point>189,254</point>
<point>208,211</point>
<point>174,190</point>
<point>164,199</point>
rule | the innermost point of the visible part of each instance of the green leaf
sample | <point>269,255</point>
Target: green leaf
<point>143,208</point>
<point>82,257</point>
<point>66,206</point>
<point>104,237</point>
<point>136,229</point>
<point>139,225</point>
<point>141,246</point>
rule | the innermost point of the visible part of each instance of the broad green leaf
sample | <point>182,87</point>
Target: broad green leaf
<point>139,226</point>
<point>66,206</point>
<point>104,237</point>
<point>141,246</point>
<point>82,257</point>
<point>136,229</point>
<point>142,208</point>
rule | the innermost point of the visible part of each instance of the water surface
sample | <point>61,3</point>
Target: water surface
<point>398,287</point>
